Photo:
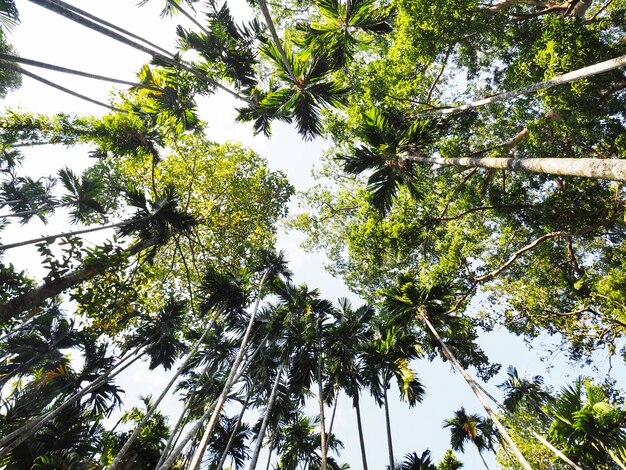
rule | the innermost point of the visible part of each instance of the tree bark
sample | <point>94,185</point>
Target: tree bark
<point>268,412</point>
<point>613,169</point>
<point>388,425</point>
<point>585,72</point>
<point>54,287</point>
<point>233,434</point>
<point>359,425</point>
<point>320,392</point>
<point>120,455</point>
<point>450,356</point>
<point>197,459</point>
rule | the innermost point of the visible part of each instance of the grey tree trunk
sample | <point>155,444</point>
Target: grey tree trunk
<point>388,425</point>
<point>613,169</point>
<point>233,434</point>
<point>579,74</point>
<point>197,459</point>
<point>323,437</point>
<point>450,356</point>
<point>120,455</point>
<point>266,419</point>
<point>359,424</point>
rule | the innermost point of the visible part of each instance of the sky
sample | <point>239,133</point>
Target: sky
<point>44,36</point>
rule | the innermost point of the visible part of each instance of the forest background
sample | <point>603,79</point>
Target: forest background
<point>365,280</point>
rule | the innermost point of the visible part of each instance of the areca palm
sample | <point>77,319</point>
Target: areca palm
<point>591,429</point>
<point>470,427</point>
<point>300,97</point>
<point>409,299</point>
<point>335,35</point>
<point>413,461</point>
<point>388,139</point>
<point>522,392</point>
<point>154,222</point>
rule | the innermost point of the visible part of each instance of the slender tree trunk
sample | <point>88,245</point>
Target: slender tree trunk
<point>62,88</point>
<point>57,68</point>
<point>120,455</point>
<point>483,459</point>
<point>359,425</point>
<point>54,287</point>
<point>269,459</point>
<point>505,435</point>
<point>536,435</point>
<point>197,459</point>
<point>579,74</point>
<point>26,431</point>
<point>31,212</point>
<point>332,417</point>
<point>176,432</point>
<point>613,169</point>
<point>270,25</point>
<point>388,424</point>
<point>233,434</point>
<point>189,17</point>
<point>64,10</point>
<point>70,234</point>
<point>320,392</point>
<point>266,419</point>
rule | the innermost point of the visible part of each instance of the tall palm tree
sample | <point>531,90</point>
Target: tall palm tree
<point>408,299</point>
<point>154,222</point>
<point>300,95</point>
<point>470,427</point>
<point>590,428</point>
<point>526,393</point>
<point>387,357</point>
<point>413,461</point>
<point>335,34</point>
<point>394,145</point>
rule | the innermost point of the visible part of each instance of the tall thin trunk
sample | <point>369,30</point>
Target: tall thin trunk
<point>579,74</point>
<point>483,459</point>
<point>388,424</point>
<point>20,435</point>
<point>535,434</point>
<point>19,69</point>
<point>505,435</point>
<point>188,16</point>
<point>52,288</point>
<point>57,68</point>
<point>269,459</point>
<point>62,9</point>
<point>613,169</point>
<point>233,434</point>
<point>359,425</point>
<point>320,392</point>
<point>73,233</point>
<point>120,455</point>
<point>332,417</point>
<point>177,430</point>
<point>197,459</point>
<point>270,25</point>
<point>32,212</point>
<point>266,419</point>
<point>196,427</point>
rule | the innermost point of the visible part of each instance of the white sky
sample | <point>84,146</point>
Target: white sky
<point>47,37</point>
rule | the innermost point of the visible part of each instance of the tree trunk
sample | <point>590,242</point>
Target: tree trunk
<point>320,392</point>
<point>233,434</point>
<point>270,25</point>
<point>585,72</point>
<point>69,12</point>
<point>332,417</point>
<point>197,459</point>
<point>26,431</point>
<point>613,169</point>
<point>69,234</point>
<point>57,68</point>
<point>54,287</point>
<point>388,425</point>
<point>270,405</point>
<point>359,425</point>
<point>536,435</point>
<point>483,459</point>
<point>120,455</point>
<point>505,435</point>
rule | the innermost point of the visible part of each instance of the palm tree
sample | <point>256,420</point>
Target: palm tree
<point>526,393</point>
<point>386,357</point>
<point>470,427</point>
<point>307,89</point>
<point>395,144</point>
<point>413,461</point>
<point>153,222</point>
<point>334,36</point>
<point>591,429</point>
<point>408,299</point>
<point>9,16</point>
